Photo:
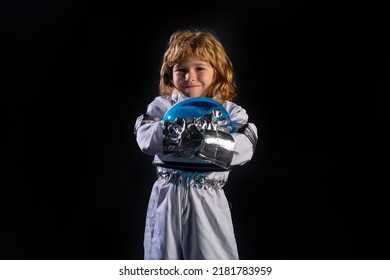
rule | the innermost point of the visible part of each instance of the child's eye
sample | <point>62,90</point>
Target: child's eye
<point>199,69</point>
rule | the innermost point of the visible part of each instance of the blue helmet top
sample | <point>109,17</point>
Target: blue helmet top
<point>195,107</point>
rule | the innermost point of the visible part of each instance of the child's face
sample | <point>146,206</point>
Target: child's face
<point>193,77</point>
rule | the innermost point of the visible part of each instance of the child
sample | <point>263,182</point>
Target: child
<point>188,216</point>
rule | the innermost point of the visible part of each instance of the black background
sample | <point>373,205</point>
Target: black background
<point>312,76</point>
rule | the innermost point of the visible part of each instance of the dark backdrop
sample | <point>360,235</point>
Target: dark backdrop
<point>312,76</point>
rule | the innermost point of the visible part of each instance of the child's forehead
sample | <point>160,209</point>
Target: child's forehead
<point>192,61</point>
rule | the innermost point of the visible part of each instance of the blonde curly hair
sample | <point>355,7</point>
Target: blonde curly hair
<point>205,46</point>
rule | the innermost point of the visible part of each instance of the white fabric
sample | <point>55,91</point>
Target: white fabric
<point>184,222</point>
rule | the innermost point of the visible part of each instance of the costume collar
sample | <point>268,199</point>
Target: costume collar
<point>178,96</point>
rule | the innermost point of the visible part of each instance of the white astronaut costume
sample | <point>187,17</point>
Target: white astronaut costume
<point>188,215</point>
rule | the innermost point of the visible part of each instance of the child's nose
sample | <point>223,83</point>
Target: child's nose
<point>190,77</point>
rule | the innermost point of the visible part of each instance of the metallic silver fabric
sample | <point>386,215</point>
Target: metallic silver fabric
<point>181,137</point>
<point>205,137</point>
<point>217,147</point>
<point>213,121</point>
<point>198,181</point>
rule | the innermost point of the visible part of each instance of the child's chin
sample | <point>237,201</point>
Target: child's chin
<point>191,93</point>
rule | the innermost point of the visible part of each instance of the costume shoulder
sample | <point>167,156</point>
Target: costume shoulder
<point>159,106</point>
<point>237,113</point>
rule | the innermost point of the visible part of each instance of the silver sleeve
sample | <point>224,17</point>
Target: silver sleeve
<point>217,147</point>
<point>184,136</point>
<point>204,137</point>
<point>181,137</point>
